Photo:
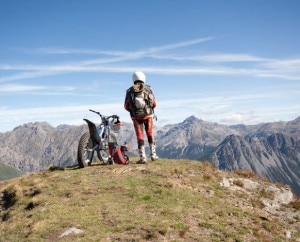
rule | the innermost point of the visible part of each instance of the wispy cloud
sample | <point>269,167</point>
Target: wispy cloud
<point>123,53</point>
<point>232,108</point>
<point>234,64</point>
<point>218,58</point>
<point>19,88</point>
<point>221,102</point>
<point>167,70</point>
<point>56,115</point>
<point>218,108</point>
<point>176,45</point>
<point>57,110</point>
<point>259,115</point>
<point>40,90</point>
<point>68,51</point>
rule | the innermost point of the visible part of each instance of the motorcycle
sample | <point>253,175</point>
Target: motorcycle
<point>100,139</point>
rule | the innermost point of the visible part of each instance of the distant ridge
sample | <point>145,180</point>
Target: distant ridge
<point>275,145</point>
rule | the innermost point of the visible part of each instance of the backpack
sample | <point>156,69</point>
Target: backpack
<point>141,100</point>
<point>118,153</point>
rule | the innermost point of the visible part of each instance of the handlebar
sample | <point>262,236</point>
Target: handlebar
<point>114,116</point>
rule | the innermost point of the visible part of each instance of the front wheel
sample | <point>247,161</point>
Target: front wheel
<point>85,153</point>
<point>103,153</point>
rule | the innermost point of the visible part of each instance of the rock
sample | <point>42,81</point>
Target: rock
<point>225,182</point>
<point>71,231</point>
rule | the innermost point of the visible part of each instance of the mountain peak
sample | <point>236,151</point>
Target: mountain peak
<point>191,119</point>
<point>31,125</point>
<point>295,121</point>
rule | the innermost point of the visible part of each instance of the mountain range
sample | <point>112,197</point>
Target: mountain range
<point>272,150</point>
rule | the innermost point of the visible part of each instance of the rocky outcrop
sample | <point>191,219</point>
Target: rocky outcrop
<point>275,156</point>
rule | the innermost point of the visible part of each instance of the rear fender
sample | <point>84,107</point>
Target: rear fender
<point>93,132</point>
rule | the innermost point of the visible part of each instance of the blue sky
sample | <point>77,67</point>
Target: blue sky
<point>223,61</point>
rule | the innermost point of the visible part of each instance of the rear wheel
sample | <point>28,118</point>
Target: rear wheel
<point>84,152</point>
<point>103,153</point>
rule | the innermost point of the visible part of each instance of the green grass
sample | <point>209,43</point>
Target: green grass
<point>171,200</point>
<point>7,172</point>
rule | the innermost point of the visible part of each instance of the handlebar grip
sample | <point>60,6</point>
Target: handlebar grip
<point>94,111</point>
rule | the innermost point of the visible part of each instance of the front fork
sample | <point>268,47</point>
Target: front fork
<point>110,151</point>
<point>91,153</point>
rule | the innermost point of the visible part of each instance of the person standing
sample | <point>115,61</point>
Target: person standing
<point>140,103</point>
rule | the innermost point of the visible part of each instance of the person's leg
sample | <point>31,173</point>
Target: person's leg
<point>138,126</point>
<point>149,132</point>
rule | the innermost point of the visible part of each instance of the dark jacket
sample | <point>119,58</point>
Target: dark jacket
<point>144,91</point>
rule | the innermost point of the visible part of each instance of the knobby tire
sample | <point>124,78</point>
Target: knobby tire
<point>83,153</point>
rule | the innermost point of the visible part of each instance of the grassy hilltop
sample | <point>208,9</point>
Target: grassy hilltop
<point>167,200</point>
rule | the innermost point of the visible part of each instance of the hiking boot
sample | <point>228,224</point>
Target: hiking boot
<point>141,162</point>
<point>142,154</point>
<point>153,152</point>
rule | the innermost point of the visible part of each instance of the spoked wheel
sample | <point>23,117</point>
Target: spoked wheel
<point>84,152</point>
<point>103,153</point>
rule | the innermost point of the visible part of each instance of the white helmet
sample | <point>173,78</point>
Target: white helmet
<point>138,76</point>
